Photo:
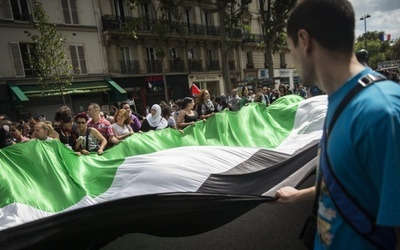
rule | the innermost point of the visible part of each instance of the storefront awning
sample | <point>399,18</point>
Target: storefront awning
<point>24,92</point>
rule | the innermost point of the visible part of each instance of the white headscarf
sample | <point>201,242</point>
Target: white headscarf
<point>156,121</point>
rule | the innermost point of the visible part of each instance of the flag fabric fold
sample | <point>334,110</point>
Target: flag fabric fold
<point>158,181</point>
<point>195,90</point>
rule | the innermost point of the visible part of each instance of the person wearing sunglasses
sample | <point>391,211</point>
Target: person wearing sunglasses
<point>90,139</point>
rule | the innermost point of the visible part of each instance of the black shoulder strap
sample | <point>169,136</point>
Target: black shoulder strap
<point>87,138</point>
<point>359,219</point>
<point>362,83</point>
<point>365,81</point>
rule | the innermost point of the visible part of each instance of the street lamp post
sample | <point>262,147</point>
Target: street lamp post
<point>365,27</point>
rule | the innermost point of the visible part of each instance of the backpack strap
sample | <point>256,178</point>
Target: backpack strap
<point>353,213</point>
<point>87,137</point>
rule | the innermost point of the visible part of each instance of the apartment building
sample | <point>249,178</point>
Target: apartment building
<point>79,21</point>
<point>194,58</point>
<point>114,66</point>
<point>254,57</point>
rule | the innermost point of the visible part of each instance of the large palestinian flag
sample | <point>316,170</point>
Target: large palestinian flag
<point>164,183</point>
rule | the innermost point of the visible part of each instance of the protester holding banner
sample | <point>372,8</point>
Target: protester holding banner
<point>186,116</point>
<point>154,120</point>
<point>357,202</point>
<point>204,106</point>
<point>234,100</point>
<point>121,127</point>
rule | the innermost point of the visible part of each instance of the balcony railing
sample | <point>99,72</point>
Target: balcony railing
<point>111,22</point>
<point>213,65</point>
<point>130,67</point>
<point>249,65</point>
<point>232,65</point>
<point>252,38</point>
<point>177,65</point>
<point>153,66</point>
<point>195,65</point>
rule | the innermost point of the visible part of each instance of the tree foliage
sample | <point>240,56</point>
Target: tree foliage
<point>394,50</point>
<point>230,16</point>
<point>274,14</point>
<point>49,59</point>
<point>378,50</point>
<point>162,20</point>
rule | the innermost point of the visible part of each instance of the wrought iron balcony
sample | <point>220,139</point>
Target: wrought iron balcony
<point>195,65</point>
<point>252,38</point>
<point>213,65</point>
<point>250,65</point>
<point>130,67</point>
<point>154,66</point>
<point>177,65</point>
<point>232,65</point>
<point>111,22</point>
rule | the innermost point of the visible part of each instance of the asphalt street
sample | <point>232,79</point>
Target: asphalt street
<point>268,226</point>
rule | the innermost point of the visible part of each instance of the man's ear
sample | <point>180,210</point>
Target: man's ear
<point>304,40</point>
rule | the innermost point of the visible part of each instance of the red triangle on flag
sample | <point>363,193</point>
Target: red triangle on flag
<point>195,90</point>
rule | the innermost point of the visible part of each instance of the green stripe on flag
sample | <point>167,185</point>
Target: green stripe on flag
<point>48,176</point>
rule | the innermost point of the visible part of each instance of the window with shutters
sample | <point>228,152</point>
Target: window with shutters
<point>172,53</point>
<point>78,59</point>
<point>19,10</point>
<point>70,11</point>
<point>22,55</point>
<point>151,54</point>
<point>283,61</point>
<point>126,54</point>
<point>191,54</point>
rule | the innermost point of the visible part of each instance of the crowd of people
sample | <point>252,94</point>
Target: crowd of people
<point>96,131</point>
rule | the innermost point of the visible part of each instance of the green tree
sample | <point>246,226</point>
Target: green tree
<point>49,59</point>
<point>377,50</point>
<point>274,14</point>
<point>163,21</point>
<point>394,50</point>
<point>229,14</point>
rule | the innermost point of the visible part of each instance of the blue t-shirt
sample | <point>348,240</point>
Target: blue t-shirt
<point>364,151</point>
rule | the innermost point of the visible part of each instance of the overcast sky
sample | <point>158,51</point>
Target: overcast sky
<point>385,16</point>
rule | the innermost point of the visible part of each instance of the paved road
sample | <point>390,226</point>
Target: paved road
<point>265,227</point>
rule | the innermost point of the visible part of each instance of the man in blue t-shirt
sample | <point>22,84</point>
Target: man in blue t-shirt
<point>364,144</point>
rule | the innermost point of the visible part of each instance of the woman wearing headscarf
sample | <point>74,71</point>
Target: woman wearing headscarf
<point>154,120</point>
<point>204,106</point>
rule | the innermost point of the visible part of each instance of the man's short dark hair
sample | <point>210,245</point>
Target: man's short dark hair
<point>124,103</point>
<point>330,22</point>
